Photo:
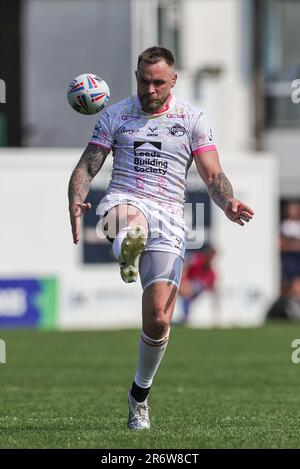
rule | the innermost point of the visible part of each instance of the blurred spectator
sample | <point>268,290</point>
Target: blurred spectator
<point>290,241</point>
<point>198,276</point>
<point>287,306</point>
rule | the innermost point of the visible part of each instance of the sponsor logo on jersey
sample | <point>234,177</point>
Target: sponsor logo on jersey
<point>177,130</point>
<point>147,158</point>
<point>126,117</point>
<point>150,149</point>
<point>175,116</point>
<point>126,130</point>
<point>153,132</point>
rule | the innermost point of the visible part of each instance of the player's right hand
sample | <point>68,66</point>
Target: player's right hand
<point>76,211</point>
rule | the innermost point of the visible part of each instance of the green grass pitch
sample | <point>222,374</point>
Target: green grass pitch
<point>235,388</point>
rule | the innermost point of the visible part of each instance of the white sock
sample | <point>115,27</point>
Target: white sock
<point>150,354</point>
<point>117,244</point>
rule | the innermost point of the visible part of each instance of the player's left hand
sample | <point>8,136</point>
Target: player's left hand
<point>238,212</point>
<point>76,211</point>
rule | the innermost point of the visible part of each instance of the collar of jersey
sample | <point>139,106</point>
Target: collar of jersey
<point>168,106</point>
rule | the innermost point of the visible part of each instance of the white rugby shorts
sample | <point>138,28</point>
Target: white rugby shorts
<point>165,221</point>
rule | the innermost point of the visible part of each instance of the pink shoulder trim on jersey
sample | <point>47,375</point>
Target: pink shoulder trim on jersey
<point>100,145</point>
<point>200,150</point>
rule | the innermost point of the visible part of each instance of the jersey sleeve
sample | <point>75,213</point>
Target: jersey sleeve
<point>201,135</point>
<point>103,134</point>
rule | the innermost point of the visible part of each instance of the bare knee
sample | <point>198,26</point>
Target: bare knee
<point>157,324</point>
<point>158,305</point>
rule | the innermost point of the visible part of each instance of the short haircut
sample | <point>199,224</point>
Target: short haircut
<point>154,54</point>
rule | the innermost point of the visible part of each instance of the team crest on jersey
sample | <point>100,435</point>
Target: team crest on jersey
<point>177,130</point>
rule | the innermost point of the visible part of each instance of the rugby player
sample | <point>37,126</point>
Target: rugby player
<point>154,137</point>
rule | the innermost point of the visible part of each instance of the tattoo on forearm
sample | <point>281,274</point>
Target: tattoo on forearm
<point>79,186</point>
<point>88,166</point>
<point>220,190</point>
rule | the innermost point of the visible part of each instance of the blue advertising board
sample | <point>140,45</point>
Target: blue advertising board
<point>26,302</point>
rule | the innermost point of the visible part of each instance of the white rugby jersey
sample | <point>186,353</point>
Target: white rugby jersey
<point>152,152</point>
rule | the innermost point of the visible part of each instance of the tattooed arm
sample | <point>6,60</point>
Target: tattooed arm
<point>219,188</point>
<point>86,169</point>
